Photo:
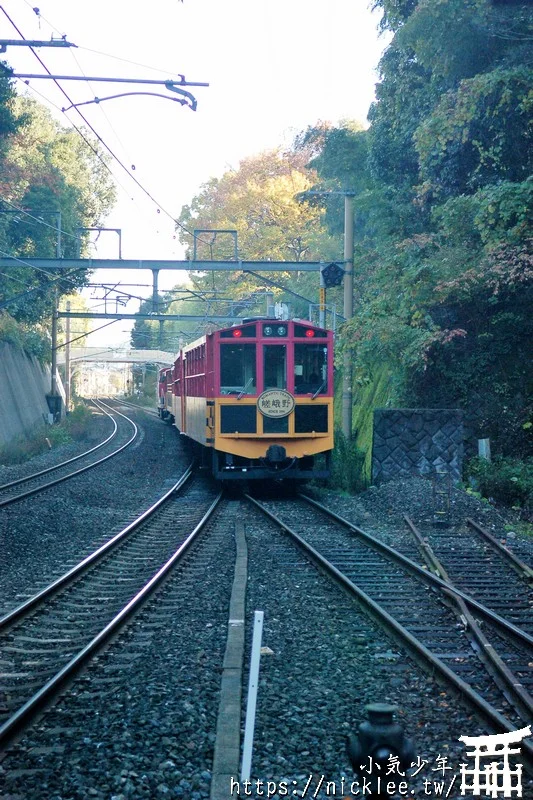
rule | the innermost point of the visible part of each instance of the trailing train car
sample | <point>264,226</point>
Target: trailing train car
<point>258,397</point>
<point>164,393</point>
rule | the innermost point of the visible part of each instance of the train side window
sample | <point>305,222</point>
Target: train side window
<point>274,366</point>
<point>237,369</point>
<point>310,369</point>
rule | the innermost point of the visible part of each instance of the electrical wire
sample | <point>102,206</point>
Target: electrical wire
<point>115,178</point>
<point>117,137</point>
<point>78,130</point>
<point>127,61</point>
<point>15,297</point>
<point>31,291</point>
<point>39,220</point>
<point>102,142</point>
<point>87,142</point>
<point>50,276</point>
<point>12,278</point>
<point>39,15</point>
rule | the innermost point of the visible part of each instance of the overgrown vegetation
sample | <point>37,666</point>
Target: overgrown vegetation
<point>347,473</point>
<point>505,480</point>
<point>443,192</point>
<point>74,427</point>
<point>34,339</point>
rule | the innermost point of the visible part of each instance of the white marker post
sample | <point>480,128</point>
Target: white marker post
<point>253,684</point>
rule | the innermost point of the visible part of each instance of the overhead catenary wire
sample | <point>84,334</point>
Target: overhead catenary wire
<point>159,206</point>
<point>73,54</point>
<point>40,15</point>
<point>128,61</point>
<point>52,278</point>
<point>34,290</point>
<point>78,130</point>
<point>40,221</point>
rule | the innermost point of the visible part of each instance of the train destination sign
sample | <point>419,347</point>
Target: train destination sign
<point>275,403</point>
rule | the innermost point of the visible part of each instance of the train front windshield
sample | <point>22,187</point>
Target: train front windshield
<point>237,369</point>
<point>275,366</point>
<point>310,369</point>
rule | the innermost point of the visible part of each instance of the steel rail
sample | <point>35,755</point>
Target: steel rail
<point>420,652</point>
<point>68,460</point>
<point>134,405</point>
<point>507,681</point>
<point>23,716</point>
<point>78,569</point>
<point>523,569</point>
<point>427,577</point>
<point>44,486</point>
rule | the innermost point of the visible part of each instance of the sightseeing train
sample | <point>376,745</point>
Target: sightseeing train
<point>258,397</point>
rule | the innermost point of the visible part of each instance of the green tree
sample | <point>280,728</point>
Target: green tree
<point>443,273</point>
<point>48,169</point>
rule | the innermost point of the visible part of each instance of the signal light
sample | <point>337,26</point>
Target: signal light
<point>332,275</point>
<point>237,333</point>
<point>309,333</point>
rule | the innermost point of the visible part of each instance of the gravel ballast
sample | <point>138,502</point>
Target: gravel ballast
<point>140,722</point>
<point>380,510</point>
<point>43,536</point>
<point>326,662</point>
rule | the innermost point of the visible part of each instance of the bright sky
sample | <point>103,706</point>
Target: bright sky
<point>274,67</point>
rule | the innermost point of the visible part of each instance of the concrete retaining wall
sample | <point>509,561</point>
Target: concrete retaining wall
<point>409,441</point>
<point>24,384</point>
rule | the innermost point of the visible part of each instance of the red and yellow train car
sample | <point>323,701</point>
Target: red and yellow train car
<point>258,396</point>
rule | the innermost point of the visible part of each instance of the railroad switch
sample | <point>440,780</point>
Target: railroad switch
<point>380,753</point>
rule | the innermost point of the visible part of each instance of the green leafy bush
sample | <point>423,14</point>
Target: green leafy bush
<point>507,480</point>
<point>347,466</point>
<point>78,421</point>
<point>33,340</point>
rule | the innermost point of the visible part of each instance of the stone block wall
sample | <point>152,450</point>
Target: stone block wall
<point>414,441</point>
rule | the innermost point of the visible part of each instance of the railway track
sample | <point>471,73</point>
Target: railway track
<point>39,481</point>
<point>127,404</point>
<point>477,563</point>
<point>414,606</point>
<point>50,636</point>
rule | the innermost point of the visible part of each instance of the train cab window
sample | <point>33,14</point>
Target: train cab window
<point>274,366</point>
<point>310,369</point>
<point>237,369</point>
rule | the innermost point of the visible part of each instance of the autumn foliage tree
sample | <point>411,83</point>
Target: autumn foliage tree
<point>262,201</point>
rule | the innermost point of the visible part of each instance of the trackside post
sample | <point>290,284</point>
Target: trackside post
<point>253,683</point>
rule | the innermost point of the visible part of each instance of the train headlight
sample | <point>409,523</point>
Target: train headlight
<point>268,330</point>
<point>281,330</point>
<point>309,333</point>
<point>237,333</point>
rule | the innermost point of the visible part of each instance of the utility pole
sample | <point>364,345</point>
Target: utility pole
<point>348,313</point>
<point>155,304</point>
<point>322,302</point>
<point>67,362</point>
<point>53,386</point>
<point>348,300</point>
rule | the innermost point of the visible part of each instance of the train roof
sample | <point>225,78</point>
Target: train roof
<point>247,321</point>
